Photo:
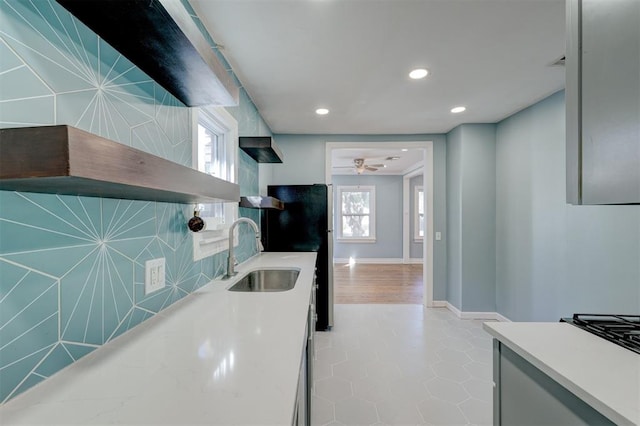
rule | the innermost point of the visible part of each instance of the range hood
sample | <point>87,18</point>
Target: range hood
<point>261,148</point>
<point>261,202</point>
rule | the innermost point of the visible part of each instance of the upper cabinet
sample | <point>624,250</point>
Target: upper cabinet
<point>603,101</point>
<point>160,37</point>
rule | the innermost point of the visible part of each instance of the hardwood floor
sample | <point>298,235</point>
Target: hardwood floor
<point>379,283</point>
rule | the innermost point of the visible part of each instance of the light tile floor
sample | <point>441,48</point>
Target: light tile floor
<point>402,365</point>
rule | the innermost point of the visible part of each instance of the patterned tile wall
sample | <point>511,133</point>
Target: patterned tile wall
<point>72,268</point>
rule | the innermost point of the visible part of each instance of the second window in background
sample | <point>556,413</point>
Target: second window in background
<point>418,214</point>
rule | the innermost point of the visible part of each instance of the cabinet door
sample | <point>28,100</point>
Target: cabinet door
<point>603,102</point>
<point>528,397</point>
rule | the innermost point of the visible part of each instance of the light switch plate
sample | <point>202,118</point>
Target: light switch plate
<point>154,275</point>
<point>438,236</point>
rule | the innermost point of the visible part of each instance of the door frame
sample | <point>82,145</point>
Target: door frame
<point>427,183</point>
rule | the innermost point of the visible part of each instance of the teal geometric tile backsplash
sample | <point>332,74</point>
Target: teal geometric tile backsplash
<point>72,268</point>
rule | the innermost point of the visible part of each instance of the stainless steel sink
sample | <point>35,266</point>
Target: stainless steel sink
<point>267,280</point>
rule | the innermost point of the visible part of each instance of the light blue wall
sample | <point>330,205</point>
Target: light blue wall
<point>415,247</point>
<point>472,212</point>
<point>72,268</point>
<point>554,259</point>
<point>479,217</point>
<point>388,217</point>
<point>304,163</point>
<point>454,217</point>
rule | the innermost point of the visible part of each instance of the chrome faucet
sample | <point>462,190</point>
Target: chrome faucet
<point>231,261</point>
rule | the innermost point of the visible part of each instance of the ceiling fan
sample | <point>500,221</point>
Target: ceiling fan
<point>360,166</point>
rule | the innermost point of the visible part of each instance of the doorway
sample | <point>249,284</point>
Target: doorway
<point>426,169</point>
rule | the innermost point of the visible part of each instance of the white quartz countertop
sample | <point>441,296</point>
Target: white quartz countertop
<point>215,357</point>
<point>603,374</point>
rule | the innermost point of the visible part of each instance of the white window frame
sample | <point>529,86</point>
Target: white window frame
<point>214,239</point>
<point>372,214</point>
<point>416,212</point>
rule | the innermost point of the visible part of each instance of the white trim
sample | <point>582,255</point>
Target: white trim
<point>414,170</point>
<point>413,260</point>
<point>478,315</point>
<point>370,260</point>
<point>359,240</point>
<point>439,303</point>
<point>453,309</point>
<point>501,318</point>
<point>427,173</point>
<point>491,316</point>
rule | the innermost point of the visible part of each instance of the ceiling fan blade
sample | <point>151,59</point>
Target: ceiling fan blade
<point>376,165</point>
<point>371,169</point>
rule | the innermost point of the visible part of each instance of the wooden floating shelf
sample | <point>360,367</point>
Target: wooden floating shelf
<point>70,161</point>
<point>160,37</point>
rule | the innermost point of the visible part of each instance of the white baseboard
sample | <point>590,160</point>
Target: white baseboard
<point>453,309</point>
<point>501,318</point>
<point>371,260</point>
<point>491,316</point>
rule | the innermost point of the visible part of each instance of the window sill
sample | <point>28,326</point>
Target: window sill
<point>357,240</point>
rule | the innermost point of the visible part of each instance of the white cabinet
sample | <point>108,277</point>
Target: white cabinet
<point>603,101</point>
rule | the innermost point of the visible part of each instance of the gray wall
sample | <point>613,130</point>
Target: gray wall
<point>554,259</point>
<point>388,217</point>
<point>304,163</point>
<point>472,211</point>
<point>415,247</point>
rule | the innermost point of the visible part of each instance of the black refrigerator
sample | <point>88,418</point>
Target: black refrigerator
<point>305,224</point>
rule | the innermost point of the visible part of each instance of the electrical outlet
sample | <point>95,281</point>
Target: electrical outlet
<point>154,275</point>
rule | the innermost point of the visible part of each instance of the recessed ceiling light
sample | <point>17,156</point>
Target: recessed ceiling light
<point>458,109</point>
<point>404,150</point>
<point>418,73</point>
<point>322,111</point>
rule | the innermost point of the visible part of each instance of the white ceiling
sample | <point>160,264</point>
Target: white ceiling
<point>353,57</point>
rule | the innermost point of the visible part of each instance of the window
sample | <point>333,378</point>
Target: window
<point>214,149</point>
<point>418,213</point>
<point>356,217</point>
<point>215,144</point>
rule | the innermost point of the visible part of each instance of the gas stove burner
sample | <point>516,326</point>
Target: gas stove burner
<point>623,330</point>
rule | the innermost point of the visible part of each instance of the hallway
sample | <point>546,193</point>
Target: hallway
<point>402,365</point>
